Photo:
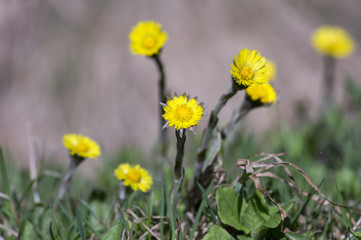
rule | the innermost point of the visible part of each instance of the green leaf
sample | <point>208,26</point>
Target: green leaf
<point>256,213</point>
<point>27,231</point>
<point>275,217</point>
<point>217,232</point>
<point>295,236</point>
<point>230,207</point>
<point>114,232</point>
<point>274,221</point>
<point>244,238</point>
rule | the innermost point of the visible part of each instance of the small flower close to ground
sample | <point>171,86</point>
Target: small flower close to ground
<point>81,146</point>
<point>250,68</point>
<point>135,177</point>
<point>182,112</point>
<point>263,93</point>
<point>332,41</point>
<point>147,38</point>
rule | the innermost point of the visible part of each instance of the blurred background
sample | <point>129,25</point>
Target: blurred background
<point>65,66</point>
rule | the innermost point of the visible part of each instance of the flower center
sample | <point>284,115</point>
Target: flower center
<point>81,147</point>
<point>149,42</point>
<point>134,175</point>
<point>246,72</point>
<point>183,113</point>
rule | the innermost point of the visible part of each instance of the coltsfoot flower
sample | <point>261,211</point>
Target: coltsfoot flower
<point>182,112</point>
<point>147,38</point>
<point>81,146</point>
<point>135,177</point>
<point>332,41</point>
<point>262,92</point>
<point>250,68</point>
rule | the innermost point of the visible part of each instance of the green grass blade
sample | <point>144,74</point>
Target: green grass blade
<point>80,224</point>
<point>162,212</point>
<point>51,231</point>
<point>4,176</point>
<point>27,231</point>
<point>66,214</point>
<point>169,208</point>
<point>91,228</point>
<point>150,211</point>
<point>86,205</point>
<point>124,222</point>
<point>198,216</point>
<point>205,197</point>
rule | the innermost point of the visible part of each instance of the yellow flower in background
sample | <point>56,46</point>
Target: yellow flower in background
<point>81,146</point>
<point>182,112</point>
<point>250,68</point>
<point>332,41</point>
<point>135,177</point>
<point>147,38</point>
<point>262,92</point>
<point>272,69</point>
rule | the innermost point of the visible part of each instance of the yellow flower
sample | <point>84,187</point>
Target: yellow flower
<point>81,146</point>
<point>262,92</point>
<point>272,69</point>
<point>146,38</point>
<point>135,177</point>
<point>332,41</point>
<point>182,112</point>
<point>250,68</point>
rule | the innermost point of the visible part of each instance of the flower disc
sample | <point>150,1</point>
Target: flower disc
<point>146,38</point>
<point>134,177</point>
<point>250,68</point>
<point>182,113</point>
<point>332,41</point>
<point>81,146</point>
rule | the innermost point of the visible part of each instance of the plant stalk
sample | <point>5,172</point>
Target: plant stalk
<point>163,99</point>
<point>240,113</point>
<point>328,82</point>
<point>75,161</point>
<point>178,169</point>
<point>208,132</point>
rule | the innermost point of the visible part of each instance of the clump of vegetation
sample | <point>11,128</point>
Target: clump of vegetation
<point>306,189</point>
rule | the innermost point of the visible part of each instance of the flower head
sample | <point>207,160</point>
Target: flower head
<point>332,41</point>
<point>262,92</point>
<point>250,68</point>
<point>182,112</point>
<point>135,177</point>
<point>81,146</point>
<point>146,38</point>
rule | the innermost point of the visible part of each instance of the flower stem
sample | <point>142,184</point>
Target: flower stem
<point>208,132</point>
<point>66,182</point>
<point>163,99</point>
<point>328,82</point>
<point>178,169</point>
<point>241,112</point>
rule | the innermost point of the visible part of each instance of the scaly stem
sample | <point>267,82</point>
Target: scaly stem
<point>208,132</point>
<point>66,182</point>
<point>241,112</point>
<point>178,169</point>
<point>163,99</point>
<point>328,82</point>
